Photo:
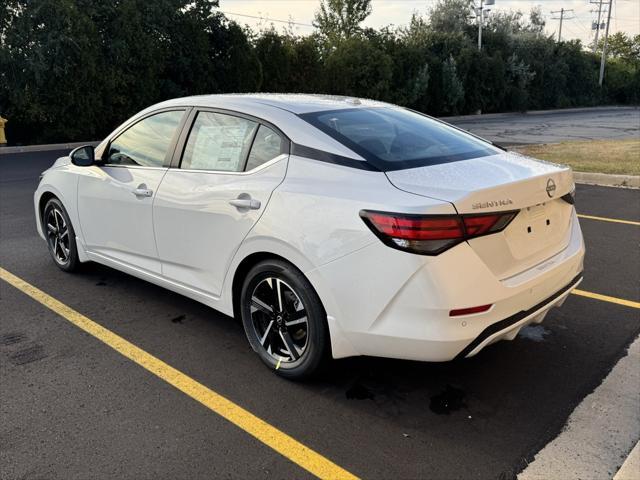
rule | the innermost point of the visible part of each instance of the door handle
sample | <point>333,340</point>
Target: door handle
<point>142,191</point>
<point>244,203</point>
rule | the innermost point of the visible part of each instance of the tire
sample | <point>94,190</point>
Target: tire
<point>288,331</point>
<point>61,238</point>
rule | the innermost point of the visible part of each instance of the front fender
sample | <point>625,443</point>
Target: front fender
<point>61,182</point>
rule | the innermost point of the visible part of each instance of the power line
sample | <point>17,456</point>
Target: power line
<point>584,27</point>
<point>289,22</point>
<point>562,11</point>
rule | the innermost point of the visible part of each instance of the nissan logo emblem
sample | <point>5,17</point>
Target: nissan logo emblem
<point>551,187</point>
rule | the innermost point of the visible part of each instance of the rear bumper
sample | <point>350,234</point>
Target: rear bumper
<point>383,302</point>
<point>510,326</point>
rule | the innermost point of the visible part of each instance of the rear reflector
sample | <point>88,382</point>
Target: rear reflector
<point>468,311</point>
<point>432,234</point>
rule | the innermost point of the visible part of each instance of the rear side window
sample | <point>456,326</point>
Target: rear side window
<point>393,139</point>
<point>266,146</point>
<point>218,142</point>
<point>146,142</point>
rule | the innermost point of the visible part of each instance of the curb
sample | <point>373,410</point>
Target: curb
<point>600,431</point>
<point>605,179</point>
<point>630,469</point>
<point>44,148</point>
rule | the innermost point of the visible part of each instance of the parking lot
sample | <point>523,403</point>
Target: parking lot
<point>72,406</point>
<point>613,123</point>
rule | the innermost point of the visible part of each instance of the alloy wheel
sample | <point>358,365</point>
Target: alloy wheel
<point>58,235</point>
<point>279,319</point>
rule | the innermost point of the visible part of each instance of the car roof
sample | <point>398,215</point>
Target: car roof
<point>279,109</point>
<point>295,103</point>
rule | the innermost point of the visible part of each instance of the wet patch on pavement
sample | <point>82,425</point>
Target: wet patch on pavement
<point>536,333</point>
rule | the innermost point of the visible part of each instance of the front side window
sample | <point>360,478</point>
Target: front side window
<point>266,146</point>
<point>393,138</point>
<point>146,142</point>
<point>218,142</point>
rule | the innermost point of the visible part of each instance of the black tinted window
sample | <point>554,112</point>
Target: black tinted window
<point>218,142</point>
<point>266,146</point>
<point>393,139</point>
<point>146,142</point>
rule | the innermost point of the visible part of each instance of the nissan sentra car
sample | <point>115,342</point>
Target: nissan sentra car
<point>330,226</point>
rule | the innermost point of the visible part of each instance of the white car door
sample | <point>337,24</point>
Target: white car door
<point>115,198</point>
<point>204,208</point>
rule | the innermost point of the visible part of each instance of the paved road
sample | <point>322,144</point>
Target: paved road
<point>70,407</point>
<point>554,126</point>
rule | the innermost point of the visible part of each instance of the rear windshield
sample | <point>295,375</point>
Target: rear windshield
<point>394,139</point>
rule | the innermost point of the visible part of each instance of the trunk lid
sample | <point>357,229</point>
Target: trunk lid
<point>497,183</point>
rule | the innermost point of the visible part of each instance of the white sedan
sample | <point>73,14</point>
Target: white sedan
<point>330,226</point>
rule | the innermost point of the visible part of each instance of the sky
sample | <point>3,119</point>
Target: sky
<point>625,14</point>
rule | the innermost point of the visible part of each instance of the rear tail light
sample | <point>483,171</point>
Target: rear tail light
<point>432,234</point>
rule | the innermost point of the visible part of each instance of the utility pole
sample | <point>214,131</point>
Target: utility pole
<point>562,11</point>
<point>604,47</point>
<point>595,43</point>
<point>480,17</point>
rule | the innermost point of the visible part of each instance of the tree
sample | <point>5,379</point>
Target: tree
<point>340,19</point>
<point>306,74</point>
<point>452,86</point>
<point>233,57</point>
<point>519,77</point>
<point>416,34</point>
<point>536,21</point>
<point>50,69</point>
<point>620,45</point>
<point>357,68</point>
<point>507,23</point>
<point>188,69</point>
<point>410,69</point>
<point>275,57</point>
<point>451,15</point>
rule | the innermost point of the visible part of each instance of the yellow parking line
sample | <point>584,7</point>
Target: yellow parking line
<point>605,219</point>
<point>282,443</point>
<point>606,298</point>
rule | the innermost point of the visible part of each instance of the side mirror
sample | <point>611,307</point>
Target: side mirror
<point>83,156</point>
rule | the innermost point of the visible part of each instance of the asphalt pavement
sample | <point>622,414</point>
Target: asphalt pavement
<point>70,407</point>
<point>605,123</point>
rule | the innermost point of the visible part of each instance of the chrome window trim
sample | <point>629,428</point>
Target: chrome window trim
<point>274,160</point>
<point>136,167</point>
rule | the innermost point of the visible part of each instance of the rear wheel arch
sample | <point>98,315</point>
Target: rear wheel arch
<point>245,266</point>
<point>253,272</point>
<point>241,272</point>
